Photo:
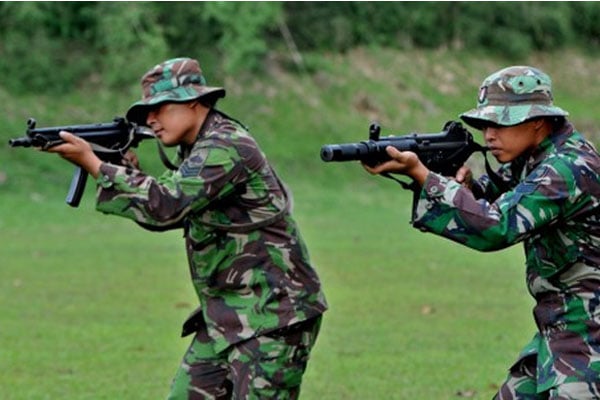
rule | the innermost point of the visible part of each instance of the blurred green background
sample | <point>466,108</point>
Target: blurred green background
<point>91,305</point>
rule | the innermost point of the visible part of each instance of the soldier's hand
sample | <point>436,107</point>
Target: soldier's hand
<point>77,151</point>
<point>130,159</point>
<point>402,162</point>
<point>464,176</point>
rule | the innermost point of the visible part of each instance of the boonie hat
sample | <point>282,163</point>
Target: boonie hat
<point>511,96</point>
<point>176,80</point>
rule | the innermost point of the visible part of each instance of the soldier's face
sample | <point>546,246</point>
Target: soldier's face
<point>508,142</point>
<point>176,123</point>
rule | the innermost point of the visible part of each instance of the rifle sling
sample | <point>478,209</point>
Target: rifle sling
<point>502,185</point>
<point>163,157</point>
<point>405,185</point>
<point>106,150</point>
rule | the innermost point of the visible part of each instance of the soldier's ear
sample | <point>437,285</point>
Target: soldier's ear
<point>200,104</point>
<point>539,123</point>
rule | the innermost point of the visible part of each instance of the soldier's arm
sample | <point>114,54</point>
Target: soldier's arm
<point>207,175</point>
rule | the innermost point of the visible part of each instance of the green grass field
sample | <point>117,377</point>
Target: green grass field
<point>91,305</point>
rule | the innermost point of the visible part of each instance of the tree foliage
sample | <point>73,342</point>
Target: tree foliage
<point>52,46</point>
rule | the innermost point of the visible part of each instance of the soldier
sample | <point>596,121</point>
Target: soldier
<point>546,194</point>
<point>261,302</point>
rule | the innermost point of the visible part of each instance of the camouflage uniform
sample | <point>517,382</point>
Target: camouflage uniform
<point>249,265</point>
<point>551,204</point>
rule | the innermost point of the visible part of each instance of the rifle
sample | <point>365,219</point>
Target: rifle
<point>444,152</point>
<point>110,141</point>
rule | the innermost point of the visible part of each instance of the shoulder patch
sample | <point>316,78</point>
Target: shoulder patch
<point>194,163</point>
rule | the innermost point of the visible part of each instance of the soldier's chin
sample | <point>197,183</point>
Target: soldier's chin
<point>168,142</point>
<point>502,157</point>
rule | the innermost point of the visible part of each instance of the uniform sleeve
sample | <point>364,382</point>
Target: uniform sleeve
<point>446,208</point>
<point>210,173</point>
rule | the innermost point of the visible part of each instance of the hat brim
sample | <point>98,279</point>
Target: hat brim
<point>139,110</point>
<point>479,117</point>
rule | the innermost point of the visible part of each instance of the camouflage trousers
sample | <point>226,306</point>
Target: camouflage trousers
<point>521,384</point>
<point>270,366</point>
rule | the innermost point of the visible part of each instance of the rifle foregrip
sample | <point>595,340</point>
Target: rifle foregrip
<point>77,187</point>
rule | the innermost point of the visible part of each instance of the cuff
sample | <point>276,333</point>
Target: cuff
<point>434,187</point>
<point>108,172</point>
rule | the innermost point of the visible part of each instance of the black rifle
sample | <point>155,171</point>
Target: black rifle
<point>444,152</point>
<point>110,141</point>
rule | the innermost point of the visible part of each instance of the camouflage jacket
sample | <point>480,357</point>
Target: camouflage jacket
<point>553,208</point>
<point>249,278</point>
